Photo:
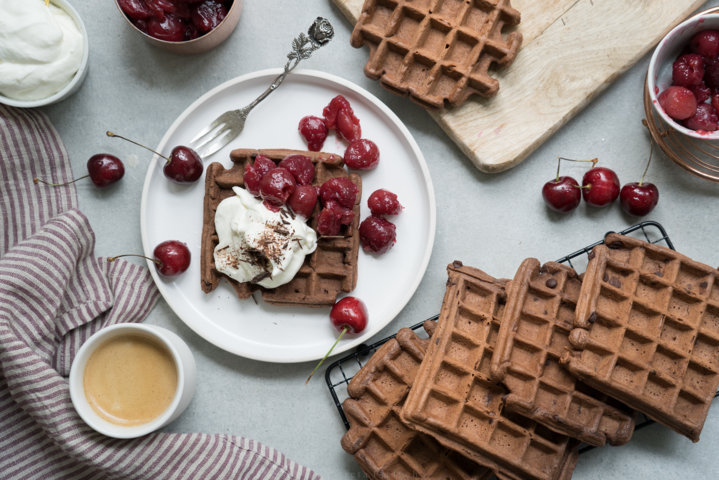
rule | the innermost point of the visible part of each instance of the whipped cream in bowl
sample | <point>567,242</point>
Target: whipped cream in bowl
<point>259,245</point>
<point>43,52</point>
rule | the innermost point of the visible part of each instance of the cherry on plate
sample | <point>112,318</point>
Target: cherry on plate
<point>377,234</point>
<point>340,189</point>
<point>174,257</point>
<point>277,185</point>
<point>383,202</point>
<point>300,166</point>
<point>255,171</point>
<point>303,200</point>
<point>314,131</point>
<point>332,217</point>
<point>361,154</point>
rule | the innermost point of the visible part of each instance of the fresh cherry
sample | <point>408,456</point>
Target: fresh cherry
<point>277,185</point>
<point>600,186</point>
<point>255,171</point>
<point>301,167</point>
<point>383,202</point>
<point>640,198</point>
<point>678,102</point>
<point>303,200</point>
<point>377,234</point>
<point>705,43</point>
<point>361,154</point>
<point>688,70</point>
<point>340,189</point>
<point>171,257</point>
<point>314,131</point>
<point>103,170</point>
<point>704,119</point>
<point>562,194</point>
<point>174,257</point>
<point>348,315</point>
<point>183,166</point>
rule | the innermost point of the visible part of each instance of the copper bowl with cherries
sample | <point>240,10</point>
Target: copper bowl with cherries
<point>182,26</point>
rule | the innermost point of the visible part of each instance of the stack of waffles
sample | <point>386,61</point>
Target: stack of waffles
<point>330,270</point>
<point>516,374</point>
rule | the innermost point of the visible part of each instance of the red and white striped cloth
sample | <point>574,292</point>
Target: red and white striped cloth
<point>53,295</point>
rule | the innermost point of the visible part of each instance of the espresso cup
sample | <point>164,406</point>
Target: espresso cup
<point>130,379</point>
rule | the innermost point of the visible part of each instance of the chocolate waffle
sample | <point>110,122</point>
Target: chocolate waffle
<point>647,331</point>
<point>328,271</point>
<point>383,446</point>
<point>533,336</point>
<point>454,399</point>
<point>437,51</point>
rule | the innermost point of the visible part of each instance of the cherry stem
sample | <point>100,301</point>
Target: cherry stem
<point>559,161</point>
<point>156,261</point>
<point>111,134</point>
<point>40,180</point>
<point>344,330</point>
<point>646,168</point>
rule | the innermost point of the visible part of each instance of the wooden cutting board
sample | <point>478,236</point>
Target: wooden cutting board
<point>571,51</point>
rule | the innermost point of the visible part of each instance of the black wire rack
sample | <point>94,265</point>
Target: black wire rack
<point>339,373</point>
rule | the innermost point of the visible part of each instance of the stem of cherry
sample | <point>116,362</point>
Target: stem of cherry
<point>559,162</point>
<point>344,330</point>
<point>111,134</point>
<point>39,180</point>
<point>156,261</point>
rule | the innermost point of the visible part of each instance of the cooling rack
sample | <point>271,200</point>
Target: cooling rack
<point>339,373</point>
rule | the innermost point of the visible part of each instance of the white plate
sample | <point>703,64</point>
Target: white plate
<point>385,283</point>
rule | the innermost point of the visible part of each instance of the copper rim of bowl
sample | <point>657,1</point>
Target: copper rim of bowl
<point>673,42</point>
<point>200,44</point>
<point>76,80</point>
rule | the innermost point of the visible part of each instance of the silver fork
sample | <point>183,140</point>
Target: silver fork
<point>229,125</point>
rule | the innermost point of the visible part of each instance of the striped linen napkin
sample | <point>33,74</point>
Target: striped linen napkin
<point>54,294</point>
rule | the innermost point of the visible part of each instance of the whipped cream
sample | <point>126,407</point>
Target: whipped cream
<point>258,245</point>
<point>41,49</point>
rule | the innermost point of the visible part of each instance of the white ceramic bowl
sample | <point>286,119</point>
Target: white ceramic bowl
<point>659,76</point>
<point>201,44</point>
<point>75,82</point>
<point>186,379</point>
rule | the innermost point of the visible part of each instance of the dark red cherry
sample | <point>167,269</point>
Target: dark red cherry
<point>678,102</point>
<point>303,200</point>
<point>314,131</point>
<point>277,185</point>
<point>705,43</point>
<point>174,257</point>
<point>361,154</point>
<point>383,202</point>
<point>135,9</point>
<point>377,234</point>
<point>600,186</point>
<point>639,198</point>
<point>255,171</point>
<point>562,194</point>
<point>301,167</point>
<point>340,189</point>
<point>349,313</point>
<point>171,28</point>
<point>105,169</point>
<point>332,109</point>
<point>705,119</point>
<point>688,70</point>
<point>208,15</point>
<point>332,217</point>
<point>184,165</point>
<point>348,126</point>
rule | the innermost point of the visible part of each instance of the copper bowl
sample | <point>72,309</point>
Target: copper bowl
<point>201,44</point>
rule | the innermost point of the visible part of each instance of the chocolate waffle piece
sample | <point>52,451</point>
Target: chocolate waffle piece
<point>328,271</point>
<point>532,337</point>
<point>454,399</point>
<point>382,445</point>
<point>437,51</point>
<point>647,331</point>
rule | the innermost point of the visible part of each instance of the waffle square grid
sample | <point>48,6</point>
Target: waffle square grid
<point>648,331</point>
<point>437,51</point>
<point>533,336</point>
<point>328,271</point>
<point>455,400</point>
